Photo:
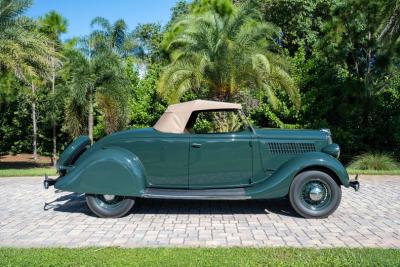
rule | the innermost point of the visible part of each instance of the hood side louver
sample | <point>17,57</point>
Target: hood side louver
<point>290,148</point>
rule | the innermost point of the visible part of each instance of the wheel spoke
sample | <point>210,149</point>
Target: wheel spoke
<point>315,194</point>
<point>108,201</point>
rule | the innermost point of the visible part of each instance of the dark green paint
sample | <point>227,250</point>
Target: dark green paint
<point>221,161</point>
<point>128,162</point>
<point>114,171</point>
<point>277,184</point>
<point>72,151</point>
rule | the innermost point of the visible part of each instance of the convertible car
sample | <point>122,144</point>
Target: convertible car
<point>205,150</point>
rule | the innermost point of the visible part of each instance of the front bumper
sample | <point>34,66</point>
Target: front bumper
<point>355,183</point>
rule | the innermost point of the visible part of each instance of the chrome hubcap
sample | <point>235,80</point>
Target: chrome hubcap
<point>316,194</point>
<point>108,201</point>
<point>109,197</point>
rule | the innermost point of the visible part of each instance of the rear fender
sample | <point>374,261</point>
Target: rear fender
<point>112,171</point>
<point>278,184</point>
<point>72,152</point>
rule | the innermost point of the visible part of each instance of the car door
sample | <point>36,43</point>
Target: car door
<point>165,159</point>
<point>220,160</point>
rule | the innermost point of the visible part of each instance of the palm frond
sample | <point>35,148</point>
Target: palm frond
<point>101,22</point>
<point>12,9</point>
<point>23,49</point>
<point>225,54</point>
<point>390,28</point>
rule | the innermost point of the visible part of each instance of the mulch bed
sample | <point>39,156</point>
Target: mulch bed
<point>23,161</point>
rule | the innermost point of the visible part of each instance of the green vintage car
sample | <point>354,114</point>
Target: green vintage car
<point>205,150</point>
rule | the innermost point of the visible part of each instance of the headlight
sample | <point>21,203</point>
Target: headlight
<point>332,149</point>
<point>328,136</point>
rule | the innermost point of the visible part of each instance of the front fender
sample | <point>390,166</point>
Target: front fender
<point>278,184</point>
<point>112,171</point>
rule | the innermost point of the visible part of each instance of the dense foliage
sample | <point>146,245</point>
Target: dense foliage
<point>291,63</point>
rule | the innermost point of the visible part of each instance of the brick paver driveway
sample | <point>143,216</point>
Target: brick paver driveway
<point>369,218</point>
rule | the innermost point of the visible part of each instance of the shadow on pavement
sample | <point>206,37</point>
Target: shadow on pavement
<point>72,203</point>
<point>75,203</point>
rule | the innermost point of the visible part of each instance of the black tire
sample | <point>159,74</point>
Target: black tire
<point>115,208</point>
<point>314,194</point>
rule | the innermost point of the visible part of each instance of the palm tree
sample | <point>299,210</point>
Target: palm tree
<point>83,82</point>
<point>53,24</point>
<point>24,50</point>
<point>390,29</point>
<point>97,74</point>
<point>112,91</point>
<point>226,53</point>
<point>112,36</point>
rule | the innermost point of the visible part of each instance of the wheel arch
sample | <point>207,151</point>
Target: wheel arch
<point>322,169</point>
<point>112,170</point>
<point>278,184</point>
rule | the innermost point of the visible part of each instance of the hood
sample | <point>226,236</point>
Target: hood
<point>319,135</point>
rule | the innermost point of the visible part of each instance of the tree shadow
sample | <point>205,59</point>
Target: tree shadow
<point>75,203</point>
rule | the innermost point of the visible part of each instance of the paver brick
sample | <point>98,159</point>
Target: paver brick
<point>369,218</point>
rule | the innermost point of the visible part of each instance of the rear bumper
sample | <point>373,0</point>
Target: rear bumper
<point>48,182</point>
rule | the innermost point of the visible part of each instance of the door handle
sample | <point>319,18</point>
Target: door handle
<point>196,145</point>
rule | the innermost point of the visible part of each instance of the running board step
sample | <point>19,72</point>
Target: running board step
<point>204,194</point>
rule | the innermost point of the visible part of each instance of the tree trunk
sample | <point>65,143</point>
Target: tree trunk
<point>34,122</point>
<point>53,121</point>
<point>90,117</point>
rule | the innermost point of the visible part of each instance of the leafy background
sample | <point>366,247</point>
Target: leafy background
<point>305,64</point>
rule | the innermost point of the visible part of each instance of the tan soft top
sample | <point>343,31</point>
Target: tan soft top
<point>176,116</point>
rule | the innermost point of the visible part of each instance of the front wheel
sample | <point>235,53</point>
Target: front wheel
<point>109,206</point>
<point>314,194</point>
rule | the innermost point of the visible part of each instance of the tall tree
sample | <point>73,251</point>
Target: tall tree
<point>112,36</point>
<point>148,37</point>
<point>98,76</point>
<point>24,50</point>
<point>221,7</point>
<point>390,29</point>
<point>225,53</point>
<point>53,24</point>
<point>389,32</point>
<point>181,8</point>
<point>301,21</point>
<point>351,39</point>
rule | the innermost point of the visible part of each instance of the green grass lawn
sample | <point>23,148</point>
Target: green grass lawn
<point>199,257</point>
<point>27,172</point>
<point>373,172</point>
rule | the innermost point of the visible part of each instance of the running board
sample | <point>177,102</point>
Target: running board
<point>203,194</point>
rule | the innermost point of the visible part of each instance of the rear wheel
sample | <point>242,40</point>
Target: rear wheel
<point>314,194</point>
<point>109,206</point>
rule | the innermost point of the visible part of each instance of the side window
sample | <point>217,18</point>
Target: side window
<point>207,122</point>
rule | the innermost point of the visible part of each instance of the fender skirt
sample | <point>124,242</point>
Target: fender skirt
<point>112,171</point>
<point>277,185</point>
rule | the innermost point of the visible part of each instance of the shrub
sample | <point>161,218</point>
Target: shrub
<point>374,161</point>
